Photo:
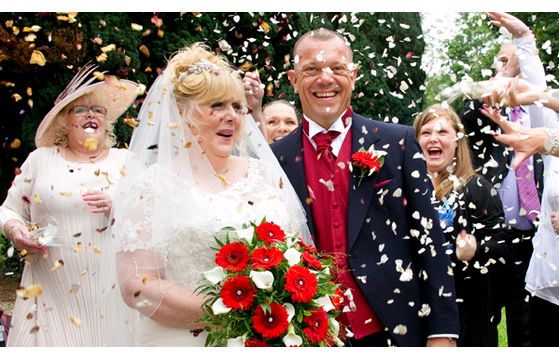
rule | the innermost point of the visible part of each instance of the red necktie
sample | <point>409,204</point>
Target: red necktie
<point>527,193</point>
<point>323,142</point>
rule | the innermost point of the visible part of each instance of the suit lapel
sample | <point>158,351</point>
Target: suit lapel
<point>290,156</point>
<point>363,134</point>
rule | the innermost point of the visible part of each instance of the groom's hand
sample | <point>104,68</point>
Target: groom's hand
<point>441,342</point>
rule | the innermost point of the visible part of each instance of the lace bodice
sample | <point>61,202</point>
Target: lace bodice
<point>178,223</point>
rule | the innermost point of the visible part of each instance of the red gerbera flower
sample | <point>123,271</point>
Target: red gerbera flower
<point>311,261</point>
<point>265,258</point>
<point>270,324</point>
<point>269,232</point>
<point>317,326</point>
<point>338,298</point>
<point>366,160</point>
<point>310,248</point>
<point>232,257</point>
<point>255,343</point>
<point>301,283</point>
<point>237,293</point>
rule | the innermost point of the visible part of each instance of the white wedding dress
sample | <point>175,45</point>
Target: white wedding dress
<point>182,236</point>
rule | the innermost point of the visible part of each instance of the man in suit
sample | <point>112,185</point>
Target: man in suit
<point>492,160</point>
<point>382,228</point>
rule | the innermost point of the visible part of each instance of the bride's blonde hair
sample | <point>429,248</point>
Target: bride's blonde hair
<point>203,77</point>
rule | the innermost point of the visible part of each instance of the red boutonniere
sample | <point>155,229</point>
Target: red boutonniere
<point>368,161</point>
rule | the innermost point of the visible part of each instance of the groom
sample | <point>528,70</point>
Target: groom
<point>383,230</point>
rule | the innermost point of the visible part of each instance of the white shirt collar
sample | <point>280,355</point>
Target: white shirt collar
<point>338,125</point>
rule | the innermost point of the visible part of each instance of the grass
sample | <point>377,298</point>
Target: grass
<point>502,329</point>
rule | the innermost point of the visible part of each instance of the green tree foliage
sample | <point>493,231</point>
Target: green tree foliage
<point>472,51</point>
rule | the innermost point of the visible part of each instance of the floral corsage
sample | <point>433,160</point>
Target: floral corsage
<point>368,161</point>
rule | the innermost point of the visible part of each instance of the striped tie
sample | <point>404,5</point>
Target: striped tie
<point>527,193</point>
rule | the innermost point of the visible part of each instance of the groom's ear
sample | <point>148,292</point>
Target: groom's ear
<point>292,79</point>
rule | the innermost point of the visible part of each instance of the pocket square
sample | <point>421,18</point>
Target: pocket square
<point>382,183</point>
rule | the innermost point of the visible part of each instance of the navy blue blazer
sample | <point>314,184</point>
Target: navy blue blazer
<point>392,226</point>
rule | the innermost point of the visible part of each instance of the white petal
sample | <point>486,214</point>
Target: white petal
<point>293,256</point>
<point>325,303</point>
<point>236,342</point>
<point>246,234</point>
<point>292,340</point>
<point>290,311</point>
<point>219,307</point>
<point>215,275</point>
<point>262,279</point>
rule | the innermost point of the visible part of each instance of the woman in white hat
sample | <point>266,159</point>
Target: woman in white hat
<point>57,210</point>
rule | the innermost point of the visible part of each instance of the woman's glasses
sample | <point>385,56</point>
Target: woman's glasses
<point>82,110</point>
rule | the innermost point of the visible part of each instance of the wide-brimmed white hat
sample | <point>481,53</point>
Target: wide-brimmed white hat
<point>117,96</point>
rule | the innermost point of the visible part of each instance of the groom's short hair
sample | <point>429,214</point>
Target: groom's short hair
<point>323,35</point>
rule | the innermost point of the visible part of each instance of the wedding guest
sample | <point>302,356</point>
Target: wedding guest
<point>542,279</point>
<point>471,215</point>
<point>195,153</point>
<point>279,118</point>
<point>520,189</point>
<point>276,118</point>
<point>379,223</point>
<point>66,183</point>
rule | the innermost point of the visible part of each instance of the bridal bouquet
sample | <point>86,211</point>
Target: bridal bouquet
<point>269,289</point>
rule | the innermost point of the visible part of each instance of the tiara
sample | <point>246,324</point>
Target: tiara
<point>199,67</point>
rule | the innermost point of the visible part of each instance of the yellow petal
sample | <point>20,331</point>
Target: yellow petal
<point>130,122</point>
<point>9,23</point>
<point>30,38</point>
<point>32,291</point>
<point>160,33</point>
<point>106,49</point>
<point>75,321</point>
<point>36,199</point>
<point>15,144</point>
<point>223,179</point>
<point>90,144</point>
<point>265,27</point>
<point>29,91</point>
<point>57,264</point>
<point>136,27</point>
<point>78,247</point>
<point>99,75</point>
<point>144,49</point>
<point>246,66</point>
<point>38,58</point>
<point>16,97</point>
<point>101,58</point>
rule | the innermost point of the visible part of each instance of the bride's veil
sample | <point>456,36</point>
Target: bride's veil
<point>166,163</point>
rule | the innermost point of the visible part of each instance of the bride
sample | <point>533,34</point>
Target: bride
<point>197,165</point>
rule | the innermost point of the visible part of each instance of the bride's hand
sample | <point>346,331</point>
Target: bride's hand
<point>99,201</point>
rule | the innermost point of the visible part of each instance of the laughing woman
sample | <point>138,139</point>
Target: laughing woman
<point>66,184</point>
<point>471,215</point>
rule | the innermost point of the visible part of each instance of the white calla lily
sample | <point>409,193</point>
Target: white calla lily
<point>292,339</point>
<point>293,256</point>
<point>325,303</point>
<point>219,307</point>
<point>215,275</point>
<point>335,326</point>
<point>290,311</point>
<point>246,234</point>
<point>236,342</point>
<point>262,279</point>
